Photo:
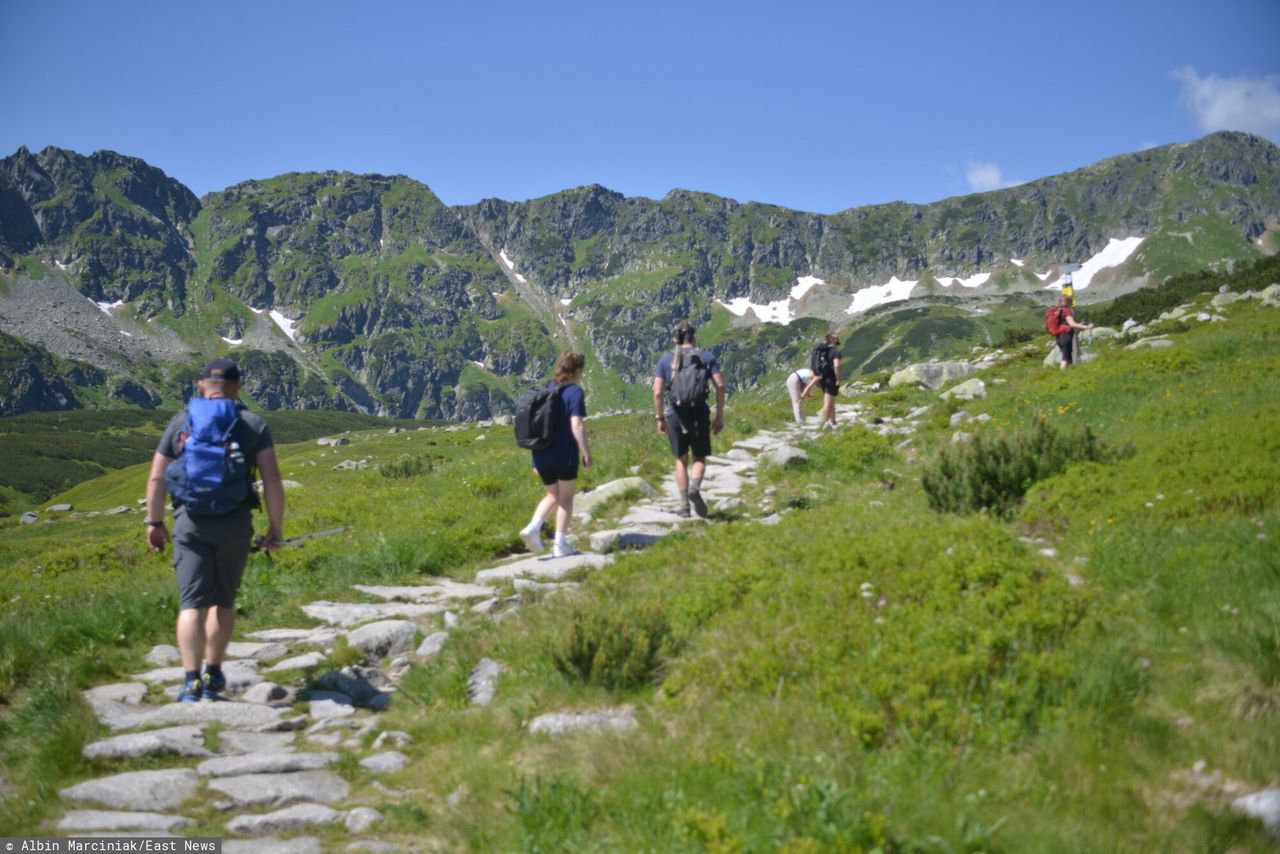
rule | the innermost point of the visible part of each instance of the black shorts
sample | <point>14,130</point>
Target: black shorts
<point>1065,341</point>
<point>209,555</point>
<point>690,431</point>
<point>829,386</point>
<point>551,474</point>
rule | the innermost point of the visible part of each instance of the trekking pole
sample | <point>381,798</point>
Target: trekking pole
<point>294,542</point>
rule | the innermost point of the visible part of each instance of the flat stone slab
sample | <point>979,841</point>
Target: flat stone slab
<point>523,585</point>
<point>740,454</point>
<point>81,820</point>
<point>543,567</point>
<point>120,716</point>
<point>431,645</point>
<point>240,675</point>
<point>650,515</point>
<point>258,651</point>
<point>297,817</point>
<point>444,591</point>
<point>119,692</point>
<point>482,684</point>
<point>587,503</point>
<point>621,539</point>
<point>361,819</point>
<point>271,845</point>
<point>162,654</point>
<point>272,790</point>
<point>324,708</point>
<point>599,720</point>
<point>178,740</point>
<point>349,614</point>
<point>264,763</point>
<point>321,637</point>
<point>785,456</point>
<point>388,637</point>
<point>385,763</point>
<point>298,662</point>
<point>235,741</point>
<point>136,790</point>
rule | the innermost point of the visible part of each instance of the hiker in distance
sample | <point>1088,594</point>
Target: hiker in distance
<point>206,460</point>
<point>825,365</point>
<point>557,463</point>
<point>1060,322</point>
<point>685,377</point>
<point>797,381</point>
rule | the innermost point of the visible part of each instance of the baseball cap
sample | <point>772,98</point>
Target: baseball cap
<point>221,369</point>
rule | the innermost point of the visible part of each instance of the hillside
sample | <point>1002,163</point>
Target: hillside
<point>367,293</point>
<point>1090,667</point>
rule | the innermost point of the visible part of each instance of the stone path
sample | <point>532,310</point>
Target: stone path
<point>265,762</point>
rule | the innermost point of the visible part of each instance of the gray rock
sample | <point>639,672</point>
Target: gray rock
<point>740,454</point>
<point>958,418</point>
<point>240,675</point>
<point>587,503</point>
<point>299,662</point>
<point>271,845</point>
<point>235,715</point>
<point>1153,343</point>
<point>375,846</point>
<point>445,590</point>
<point>331,441</point>
<point>59,508</point>
<point>787,456</point>
<point>326,707</point>
<point>1049,552</point>
<point>482,684</point>
<point>268,692</point>
<point>120,692</point>
<point>320,637</point>
<point>361,819</point>
<point>931,375</point>
<point>1103,333</point>
<point>601,720</point>
<point>236,741</point>
<point>649,515</point>
<point>622,539</point>
<point>967,390</point>
<point>1263,805</point>
<point>392,737</point>
<point>728,505</point>
<point>262,651</point>
<point>385,763</point>
<point>136,790</point>
<point>431,645</point>
<point>983,416</point>
<point>543,567</point>
<point>264,763</point>
<point>117,511</point>
<point>523,585</point>
<point>389,637</point>
<point>296,817</point>
<point>269,790</point>
<point>358,683</point>
<point>178,740</point>
<point>771,519</point>
<point>163,654</point>
<point>28,518</point>
<point>348,614</point>
<point>82,820</point>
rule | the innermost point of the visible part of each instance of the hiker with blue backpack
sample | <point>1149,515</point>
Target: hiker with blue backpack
<point>549,421</point>
<point>824,363</point>
<point>206,461</point>
<point>685,377</point>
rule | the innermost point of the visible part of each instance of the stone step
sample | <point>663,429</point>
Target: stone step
<point>77,821</point>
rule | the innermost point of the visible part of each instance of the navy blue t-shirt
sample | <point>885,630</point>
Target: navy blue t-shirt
<point>665,363</point>
<point>563,450</point>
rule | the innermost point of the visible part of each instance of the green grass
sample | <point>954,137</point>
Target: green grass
<point>868,674</point>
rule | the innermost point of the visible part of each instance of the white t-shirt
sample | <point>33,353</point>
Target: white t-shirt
<point>805,375</point>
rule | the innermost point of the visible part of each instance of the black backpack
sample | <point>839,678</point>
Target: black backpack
<point>537,411</point>
<point>820,362</point>
<point>690,378</point>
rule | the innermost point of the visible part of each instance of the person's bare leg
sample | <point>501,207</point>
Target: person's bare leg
<point>549,501</point>
<point>682,474</point>
<point>191,637</point>
<point>218,624</point>
<point>564,509</point>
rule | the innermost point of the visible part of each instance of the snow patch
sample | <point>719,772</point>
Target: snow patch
<point>256,310</point>
<point>778,311</point>
<point>1017,262</point>
<point>512,267</point>
<point>234,342</point>
<point>1043,276</point>
<point>477,364</point>
<point>804,284</point>
<point>972,282</point>
<point>892,291</point>
<point>67,266</point>
<point>287,326</point>
<point>564,301</point>
<point>126,334</point>
<point>108,307</point>
<point>1114,254</point>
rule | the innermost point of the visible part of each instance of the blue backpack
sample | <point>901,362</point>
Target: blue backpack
<point>210,476</point>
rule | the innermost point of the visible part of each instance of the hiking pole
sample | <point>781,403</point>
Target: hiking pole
<point>294,542</point>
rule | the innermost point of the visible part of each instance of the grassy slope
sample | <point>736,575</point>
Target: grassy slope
<point>987,704</point>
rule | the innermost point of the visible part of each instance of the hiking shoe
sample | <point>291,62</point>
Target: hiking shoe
<point>192,691</point>
<point>563,550</point>
<point>214,684</point>
<point>683,512</point>
<point>532,540</point>
<point>699,506</point>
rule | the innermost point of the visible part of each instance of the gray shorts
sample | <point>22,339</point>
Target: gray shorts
<point>209,554</point>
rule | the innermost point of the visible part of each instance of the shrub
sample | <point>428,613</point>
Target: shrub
<point>1014,336</point>
<point>615,650</point>
<point>994,473</point>
<point>409,465</point>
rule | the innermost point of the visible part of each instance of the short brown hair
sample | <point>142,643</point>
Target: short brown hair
<point>833,339</point>
<point>569,365</point>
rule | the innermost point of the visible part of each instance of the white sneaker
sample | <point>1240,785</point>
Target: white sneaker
<point>563,550</point>
<point>532,539</point>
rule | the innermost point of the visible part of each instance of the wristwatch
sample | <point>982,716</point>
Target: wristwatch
<point>154,524</point>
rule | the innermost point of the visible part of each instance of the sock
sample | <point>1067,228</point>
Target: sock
<point>535,524</point>
<point>560,539</point>
<point>695,484</point>
<point>213,669</point>
<point>192,675</point>
<point>684,497</point>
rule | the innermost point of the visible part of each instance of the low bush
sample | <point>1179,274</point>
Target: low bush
<point>618,651</point>
<point>993,474</point>
<point>409,465</point>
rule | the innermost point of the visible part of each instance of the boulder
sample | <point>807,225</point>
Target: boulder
<point>59,508</point>
<point>482,684</point>
<point>1263,805</point>
<point>28,518</point>
<point>1153,343</point>
<point>931,375</point>
<point>358,683</point>
<point>431,645</point>
<point>267,692</point>
<point>389,637</point>
<point>967,390</point>
<point>787,456</point>
<point>298,662</point>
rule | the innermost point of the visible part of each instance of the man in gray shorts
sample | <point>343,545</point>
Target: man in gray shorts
<point>210,548</point>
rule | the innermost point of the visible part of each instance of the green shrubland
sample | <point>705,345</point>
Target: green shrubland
<point>871,674</point>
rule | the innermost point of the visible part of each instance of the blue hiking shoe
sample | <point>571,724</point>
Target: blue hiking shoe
<point>192,691</point>
<point>214,683</point>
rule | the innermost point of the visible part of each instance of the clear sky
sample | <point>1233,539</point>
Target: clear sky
<point>818,106</point>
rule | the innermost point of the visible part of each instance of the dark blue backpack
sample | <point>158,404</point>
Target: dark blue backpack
<point>210,476</point>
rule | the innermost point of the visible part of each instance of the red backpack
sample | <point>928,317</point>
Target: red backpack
<point>1055,322</point>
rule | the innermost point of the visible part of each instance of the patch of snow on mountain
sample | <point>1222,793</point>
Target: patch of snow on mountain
<point>1017,262</point>
<point>1114,254</point>
<point>256,310</point>
<point>286,325</point>
<point>67,266</point>
<point>477,364</point>
<point>234,342</point>
<point>892,291</point>
<point>1043,276</point>
<point>108,307</point>
<point>804,284</point>
<point>971,282</point>
<point>778,311</point>
<point>565,301</point>
<point>512,267</point>
<point>126,334</point>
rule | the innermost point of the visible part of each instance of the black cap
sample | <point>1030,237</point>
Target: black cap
<point>221,369</point>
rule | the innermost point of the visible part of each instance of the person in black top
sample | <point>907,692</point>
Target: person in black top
<point>689,428</point>
<point>829,380</point>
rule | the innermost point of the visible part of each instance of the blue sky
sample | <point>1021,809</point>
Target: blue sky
<point>819,106</point>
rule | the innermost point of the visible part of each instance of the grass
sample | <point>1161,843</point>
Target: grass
<point>868,674</point>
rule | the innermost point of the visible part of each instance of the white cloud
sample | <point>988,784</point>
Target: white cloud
<point>986,176</point>
<point>1249,104</point>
